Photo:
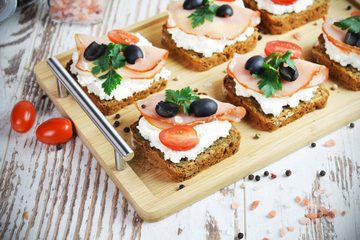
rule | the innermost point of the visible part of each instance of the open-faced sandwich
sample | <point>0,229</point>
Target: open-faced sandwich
<point>280,16</point>
<point>206,33</point>
<point>278,88</point>
<point>338,48</point>
<point>183,133</point>
<point>118,69</point>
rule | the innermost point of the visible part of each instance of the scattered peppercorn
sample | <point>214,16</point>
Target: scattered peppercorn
<point>288,173</point>
<point>175,79</point>
<point>315,24</point>
<point>240,235</point>
<point>259,37</point>
<point>251,177</point>
<point>266,173</point>
<point>257,178</point>
<point>352,125</point>
<point>43,97</point>
<point>117,116</point>
<point>59,147</point>
<point>143,106</point>
<point>196,90</point>
<point>181,186</point>
<point>313,145</point>
<point>116,123</point>
<point>256,136</point>
<point>273,175</point>
<point>334,87</point>
<point>126,129</point>
<point>322,173</point>
<point>348,8</point>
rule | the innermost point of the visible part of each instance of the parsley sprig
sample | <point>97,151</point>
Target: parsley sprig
<point>269,79</point>
<point>206,12</point>
<point>183,97</point>
<point>352,24</point>
<point>106,65</point>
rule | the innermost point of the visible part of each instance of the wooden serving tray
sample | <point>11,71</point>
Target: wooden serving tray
<point>150,192</point>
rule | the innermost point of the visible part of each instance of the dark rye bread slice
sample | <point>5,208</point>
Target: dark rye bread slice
<point>221,149</point>
<point>197,61</point>
<point>279,24</point>
<point>109,107</point>
<point>347,77</point>
<point>267,122</point>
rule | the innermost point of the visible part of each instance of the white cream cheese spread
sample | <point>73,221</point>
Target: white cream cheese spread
<point>208,133</point>
<point>275,105</point>
<point>277,9</point>
<point>340,56</point>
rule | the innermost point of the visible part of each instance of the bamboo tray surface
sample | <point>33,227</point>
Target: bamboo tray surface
<point>151,193</point>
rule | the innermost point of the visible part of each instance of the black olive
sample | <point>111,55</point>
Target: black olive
<point>167,109</point>
<point>94,51</point>
<point>133,53</point>
<point>224,11</point>
<point>358,41</point>
<point>287,73</point>
<point>255,64</point>
<point>203,107</point>
<point>192,4</point>
<point>351,38</point>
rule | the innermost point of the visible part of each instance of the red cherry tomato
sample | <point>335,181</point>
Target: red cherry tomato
<point>23,116</point>
<point>179,138</point>
<point>55,131</point>
<point>283,2</point>
<point>355,13</point>
<point>120,36</point>
<point>283,46</point>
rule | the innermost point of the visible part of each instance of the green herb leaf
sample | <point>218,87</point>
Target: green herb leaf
<point>352,24</point>
<point>206,12</point>
<point>183,97</point>
<point>107,63</point>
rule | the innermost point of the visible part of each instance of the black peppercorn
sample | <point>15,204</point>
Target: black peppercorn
<point>181,186</point>
<point>59,147</point>
<point>288,173</point>
<point>126,129</point>
<point>116,123</point>
<point>266,173</point>
<point>322,173</point>
<point>143,106</point>
<point>348,8</point>
<point>313,145</point>
<point>117,116</point>
<point>259,38</point>
<point>251,177</point>
<point>43,97</point>
<point>352,125</point>
<point>257,178</point>
<point>240,235</point>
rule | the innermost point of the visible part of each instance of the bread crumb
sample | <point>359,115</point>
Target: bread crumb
<point>271,214</point>
<point>305,202</point>
<point>330,143</point>
<point>311,216</point>
<point>298,199</point>
<point>235,205</point>
<point>26,215</point>
<point>254,204</point>
<point>297,36</point>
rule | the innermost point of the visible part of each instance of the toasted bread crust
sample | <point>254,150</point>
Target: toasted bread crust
<point>267,122</point>
<point>198,62</point>
<point>347,77</point>
<point>279,24</point>
<point>109,107</point>
<point>218,151</point>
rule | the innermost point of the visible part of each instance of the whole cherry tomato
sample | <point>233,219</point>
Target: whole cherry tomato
<point>120,36</point>
<point>283,46</point>
<point>23,116</point>
<point>179,138</point>
<point>55,131</point>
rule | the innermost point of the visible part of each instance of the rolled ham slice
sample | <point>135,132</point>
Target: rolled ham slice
<point>144,68</point>
<point>337,36</point>
<point>310,75</point>
<point>220,28</point>
<point>226,111</point>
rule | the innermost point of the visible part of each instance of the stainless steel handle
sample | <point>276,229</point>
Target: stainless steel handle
<point>122,150</point>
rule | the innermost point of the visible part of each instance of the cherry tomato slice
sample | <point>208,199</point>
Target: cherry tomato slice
<point>283,46</point>
<point>283,2</point>
<point>120,36</point>
<point>23,116</point>
<point>55,131</point>
<point>355,13</point>
<point>179,138</point>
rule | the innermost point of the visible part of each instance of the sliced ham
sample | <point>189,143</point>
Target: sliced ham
<point>144,68</point>
<point>337,36</point>
<point>220,28</point>
<point>226,111</point>
<point>310,75</point>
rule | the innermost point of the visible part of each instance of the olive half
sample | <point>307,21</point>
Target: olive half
<point>288,73</point>
<point>255,64</point>
<point>133,53</point>
<point>203,107</point>
<point>94,51</point>
<point>351,38</point>
<point>224,11</point>
<point>192,4</point>
<point>167,109</point>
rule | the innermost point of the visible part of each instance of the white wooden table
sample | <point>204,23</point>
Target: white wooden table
<point>47,193</point>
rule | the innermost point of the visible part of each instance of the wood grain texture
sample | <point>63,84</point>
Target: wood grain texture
<point>68,196</point>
